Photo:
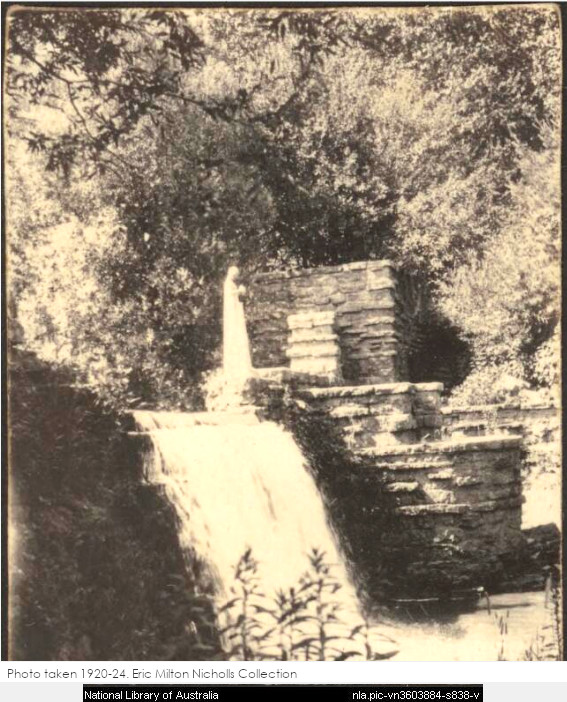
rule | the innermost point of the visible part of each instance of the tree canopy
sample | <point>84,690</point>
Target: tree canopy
<point>167,144</point>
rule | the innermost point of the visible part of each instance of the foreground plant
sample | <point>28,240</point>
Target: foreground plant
<point>305,622</point>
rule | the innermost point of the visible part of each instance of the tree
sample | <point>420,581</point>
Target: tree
<point>283,137</point>
<point>167,217</point>
<point>506,298</point>
<point>105,70</point>
<point>102,71</point>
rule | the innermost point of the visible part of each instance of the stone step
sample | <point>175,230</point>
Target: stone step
<point>461,508</point>
<point>481,427</point>
<point>313,350</point>
<point>495,442</point>
<point>308,320</point>
<point>393,468</point>
<point>340,391</point>
<point>282,375</point>
<point>312,335</point>
<point>320,365</point>
<point>403,487</point>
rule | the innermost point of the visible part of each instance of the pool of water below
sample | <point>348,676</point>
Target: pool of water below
<point>514,624</point>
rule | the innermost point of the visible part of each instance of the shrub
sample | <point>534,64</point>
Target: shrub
<point>306,622</point>
<point>96,572</point>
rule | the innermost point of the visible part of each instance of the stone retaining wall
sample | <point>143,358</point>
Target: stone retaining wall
<point>541,420</point>
<point>378,415</point>
<point>540,428</point>
<point>370,321</point>
<point>457,505</point>
<point>454,505</point>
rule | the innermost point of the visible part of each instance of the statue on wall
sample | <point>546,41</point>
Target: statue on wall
<point>236,359</point>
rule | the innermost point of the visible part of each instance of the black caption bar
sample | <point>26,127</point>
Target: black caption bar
<point>329,693</point>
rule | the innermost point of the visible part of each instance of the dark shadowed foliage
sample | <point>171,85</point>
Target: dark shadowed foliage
<point>439,354</point>
<point>97,573</point>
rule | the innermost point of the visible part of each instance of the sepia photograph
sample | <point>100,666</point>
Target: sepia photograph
<point>283,333</point>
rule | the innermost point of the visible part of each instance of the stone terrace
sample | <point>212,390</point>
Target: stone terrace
<point>456,499</point>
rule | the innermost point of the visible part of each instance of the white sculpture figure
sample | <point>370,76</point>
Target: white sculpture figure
<point>236,361</point>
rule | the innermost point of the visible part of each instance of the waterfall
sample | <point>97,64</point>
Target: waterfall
<point>242,485</point>
<point>238,483</point>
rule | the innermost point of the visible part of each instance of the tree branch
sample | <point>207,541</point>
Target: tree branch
<point>94,140</point>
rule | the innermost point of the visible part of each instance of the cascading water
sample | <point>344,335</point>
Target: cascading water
<point>239,483</point>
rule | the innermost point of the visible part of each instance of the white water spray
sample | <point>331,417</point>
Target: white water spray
<point>238,483</point>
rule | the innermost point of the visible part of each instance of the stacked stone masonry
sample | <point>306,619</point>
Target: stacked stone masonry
<point>456,504</point>
<point>379,415</point>
<point>455,496</point>
<point>313,345</point>
<point>541,422</point>
<point>368,317</point>
<point>539,426</point>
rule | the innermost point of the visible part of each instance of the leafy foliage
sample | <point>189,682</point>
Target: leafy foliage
<point>103,70</point>
<point>306,622</point>
<point>281,137</point>
<point>505,298</point>
<point>88,538</point>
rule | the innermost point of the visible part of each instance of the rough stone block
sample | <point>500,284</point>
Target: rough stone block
<point>446,474</point>
<point>323,366</point>
<point>380,276</point>
<point>313,350</point>
<point>320,333</point>
<point>310,319</point>
<point>402,487</point>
